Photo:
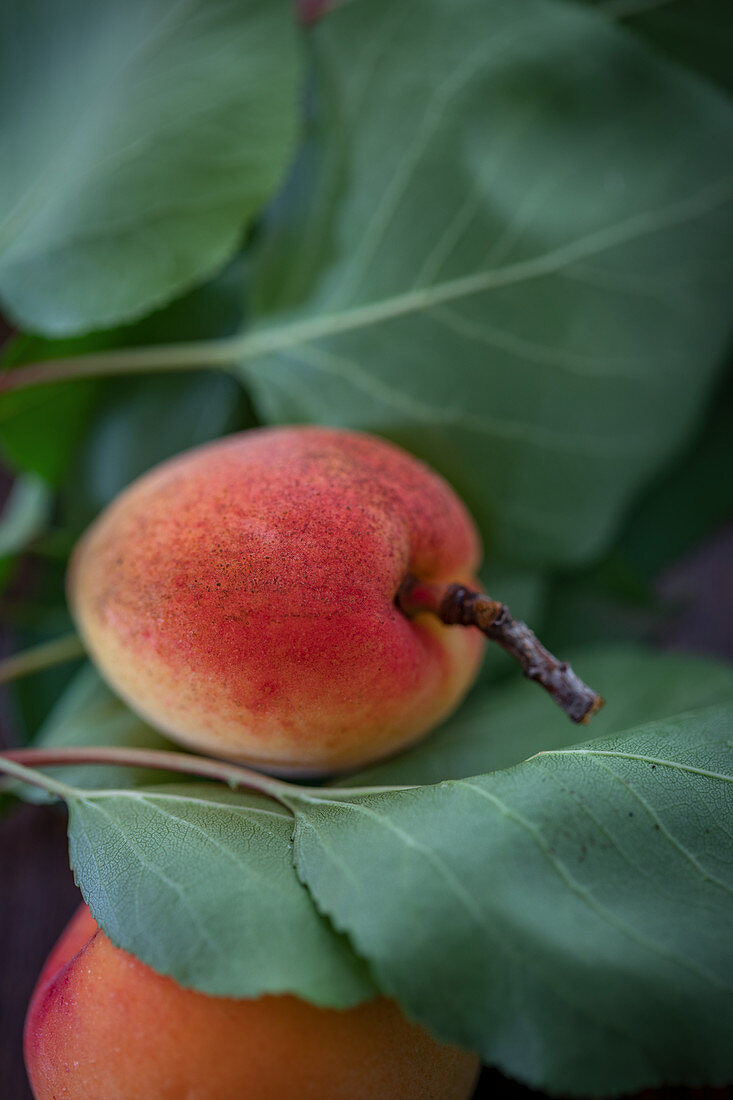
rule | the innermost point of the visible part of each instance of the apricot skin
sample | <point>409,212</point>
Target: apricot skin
<point>103,1026</point>
<point>241,598</point>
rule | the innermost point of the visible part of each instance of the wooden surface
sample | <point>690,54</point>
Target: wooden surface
<point>37,893</point>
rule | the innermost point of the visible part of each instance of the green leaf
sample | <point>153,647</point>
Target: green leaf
<point>35,617</point>
<point>89,714</point>
<point>199,883</point>
<point>23,517</point>
<point>524,592</point>
<point>569,919</point>
<point>658,531</point>
<point>40,426</point>
<point>137,421</point>
<point>23,514</point>
<point>618,597</point>
<point>502,724</point>
<point>138,140</point>
<point>696,33</point>
<point>506,238</point>
<point>141,422</point>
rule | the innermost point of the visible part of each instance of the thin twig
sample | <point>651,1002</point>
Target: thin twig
<point>456,604</point>
<point>234,775</point>
<point>41,656</point>
<point>138,360</point>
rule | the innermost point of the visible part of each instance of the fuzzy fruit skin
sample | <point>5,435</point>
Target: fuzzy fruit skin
<point>241,598</point>
<point>103,1026</point>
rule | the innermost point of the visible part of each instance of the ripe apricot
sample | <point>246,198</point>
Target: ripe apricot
<point>103,1026</point>
<point>241,597</point>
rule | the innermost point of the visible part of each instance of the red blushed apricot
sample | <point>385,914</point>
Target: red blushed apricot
<point>103,1026</point>
<point>241,597</point>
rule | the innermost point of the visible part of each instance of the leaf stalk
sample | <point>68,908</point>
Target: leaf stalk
<point>38,657</point>
<point>19,762</point>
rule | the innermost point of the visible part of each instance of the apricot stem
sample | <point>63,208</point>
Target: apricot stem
<point>38,657</point>
<point>456,604</point>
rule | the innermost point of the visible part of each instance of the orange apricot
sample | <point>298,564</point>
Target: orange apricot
<point>241,597</point>
<point>103,1026</point>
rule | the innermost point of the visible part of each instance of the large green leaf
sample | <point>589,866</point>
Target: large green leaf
<point>137,140</point>
<point>505,246</point>
<point>502,724</point>
<point>619,597</point>
<point>194,879</point>
<point>569,918</point>
<point>198,881</point>
<point>43,428</point>
<point>659,532</point>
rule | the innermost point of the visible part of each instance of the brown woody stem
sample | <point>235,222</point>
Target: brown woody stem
<point>456,604</point>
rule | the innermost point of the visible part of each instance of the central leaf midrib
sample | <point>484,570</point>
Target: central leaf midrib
<point>280,337</point>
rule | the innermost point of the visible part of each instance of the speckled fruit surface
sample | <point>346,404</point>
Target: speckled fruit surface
<point>103,1026</point>
<point>241,598</point>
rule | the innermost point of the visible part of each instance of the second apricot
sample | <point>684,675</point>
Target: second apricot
<point>103,1025</point>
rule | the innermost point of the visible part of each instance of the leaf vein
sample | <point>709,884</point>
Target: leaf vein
<point>586,896</point>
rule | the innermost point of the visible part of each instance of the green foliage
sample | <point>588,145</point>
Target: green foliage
<point>568,918</point>
<point>108,206</point>
<point>525,592</point>
<point>42,429</point>
<point>199,883</point>
<point>34,617</point>
<point>543,178</point>
<point>89,438</point>
<point>584,178</point>
<point>141,423</point>
<point>24,515</point>
<point>615,597</point>
<point>89,714</point>
<point>504,243</point>
<point>696,33</point>
<point>501,725</point>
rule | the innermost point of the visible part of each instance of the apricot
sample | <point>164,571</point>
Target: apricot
<point>103,1026</point>
<point>241,598</point>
